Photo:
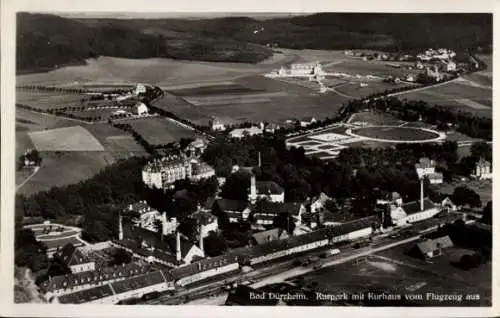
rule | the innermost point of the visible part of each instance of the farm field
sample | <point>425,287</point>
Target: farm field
<point>463,97</point>
<point>354,90</point>
<point>102,114</point>
<point>61,168</point>
<point>74,138</point>
<point>356,66</point>
<point>48,100</point>
<point>233,99</point>
<point>113,72</point>
<point>160,131</point>
<point>214,89</point>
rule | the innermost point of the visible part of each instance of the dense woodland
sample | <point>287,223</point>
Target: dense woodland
<point>45,42</point>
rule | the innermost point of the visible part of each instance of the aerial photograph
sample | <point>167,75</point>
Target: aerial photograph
<point>251,159</point>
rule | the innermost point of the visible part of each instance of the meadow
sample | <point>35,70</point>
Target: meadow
<point>48,100</point>
<point>160,131</point>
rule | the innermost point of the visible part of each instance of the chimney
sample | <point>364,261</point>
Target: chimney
<point>260,160</point>
<point>202,248</point>
<point>253,189</point>
<point>422,194</point>
<point>178,246</point>
<point>164,223</point>
<point>120,227</point>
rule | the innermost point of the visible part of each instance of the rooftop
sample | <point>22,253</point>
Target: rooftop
<point>434,245</point>
<point>268,187</point>
<point>231,205</point>
<point>269,235</point>
<point>414,207</point>
<point>267,207</point>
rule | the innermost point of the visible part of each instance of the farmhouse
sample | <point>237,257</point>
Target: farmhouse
<point>140,109</point>
<point>244,132</point>
<point>74,259</point>
<point>483,170</point>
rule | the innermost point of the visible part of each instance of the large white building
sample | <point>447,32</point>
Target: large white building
<point>161,173</point>
<point>244,132</point>
<point>483,169</point>
<point>140,109</point>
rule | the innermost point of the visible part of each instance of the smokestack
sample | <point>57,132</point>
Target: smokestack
<point>422,194</point>
<point>178,246</point>
<point>120,226</point>
<point>253,189</point>
<point>260,161</point>
<point>202,248</point>
<point>164,223</point>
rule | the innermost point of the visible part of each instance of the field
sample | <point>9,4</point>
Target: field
<point>395,133</point>
<point>393,272</point>
<point>62,168</point>
<point>49,100</point>
<point>354,90</point>
<point>375,118</point>
<point>356,66</point>
<point>65,139</point>
<point>163,72</point>
<point>459,95</point>
<point>160,131</point>
<point>66,167</point>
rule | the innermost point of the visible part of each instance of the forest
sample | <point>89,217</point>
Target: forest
<point>45,42</point>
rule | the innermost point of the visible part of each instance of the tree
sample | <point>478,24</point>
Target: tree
<point>481,150</point>
<point>467,262</point>
<point>463,195</point>
<point>236,186</point>
<point>487,217</point>
<point>120,256</point>
<point>28,251</point>
<point>215,244</point>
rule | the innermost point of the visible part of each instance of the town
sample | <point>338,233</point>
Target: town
<point>148,192</point>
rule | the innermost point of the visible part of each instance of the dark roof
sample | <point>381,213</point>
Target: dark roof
<point>203,265</point>
<point>268,187</point>
<point>70,255</point>
<point>268,207</point>
<point>269,235</point>
<point>231,205</point>
<point>93,277</point>
<point>138,282</point>
<point>167,257</point>
<point>241,297</point>
<point>209,202</point>
<point>414,207</point>
<point>86,295</point>
<point>433,245</point>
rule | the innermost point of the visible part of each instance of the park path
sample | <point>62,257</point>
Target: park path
<point>27,179</point>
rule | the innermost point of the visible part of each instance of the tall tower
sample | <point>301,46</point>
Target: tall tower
<point>253,189</point>
<point>202,248</point>
<point>120,226</point>
<point>260,160</point>
<point>178,246</point>
<point>421,194</point>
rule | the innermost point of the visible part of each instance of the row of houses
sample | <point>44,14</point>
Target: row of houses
<point>110,292</point>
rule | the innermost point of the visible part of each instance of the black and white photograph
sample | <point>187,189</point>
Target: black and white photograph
<point>324,159</point>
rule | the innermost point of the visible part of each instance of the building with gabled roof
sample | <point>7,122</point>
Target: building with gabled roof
<point>412,212</point>
<point>268,190</point>
<point>265,211</point>
<point>74,259</point>
<point>268,236</point>
<point>236,210</point>
<point>432,248</point>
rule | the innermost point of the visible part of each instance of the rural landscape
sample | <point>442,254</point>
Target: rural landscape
<point>330,159</point>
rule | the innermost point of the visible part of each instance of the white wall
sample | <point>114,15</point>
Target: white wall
<point>206,274</point>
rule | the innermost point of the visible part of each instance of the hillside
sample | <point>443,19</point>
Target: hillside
<point>48,41</point>
<point>45,42</point>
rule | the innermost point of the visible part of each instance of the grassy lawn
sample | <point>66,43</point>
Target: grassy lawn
<point>160,131</point>
<point>376,118</point>
<point>394,133</point>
